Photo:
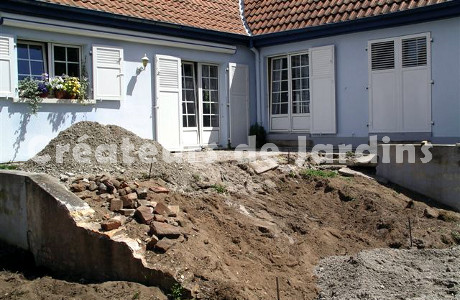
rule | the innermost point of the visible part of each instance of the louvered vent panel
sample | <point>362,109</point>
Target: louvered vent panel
<point>4,46</point>
<point>169,76</point>
<point>108,56</point>
<point>383,55</point>
<point>414,52</point>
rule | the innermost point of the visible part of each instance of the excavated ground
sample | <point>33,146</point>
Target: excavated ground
<point>242,230</point>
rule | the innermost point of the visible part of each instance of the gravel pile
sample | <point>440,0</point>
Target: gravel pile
<point>92,148</point>
<point>388,274</point>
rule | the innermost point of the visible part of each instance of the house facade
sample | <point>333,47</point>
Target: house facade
<point>335,72</point>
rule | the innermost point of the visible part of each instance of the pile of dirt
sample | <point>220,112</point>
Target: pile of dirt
<point>92,148</point>
<point>239,240</point>
<point>20,279</point>
<point>387,274</point>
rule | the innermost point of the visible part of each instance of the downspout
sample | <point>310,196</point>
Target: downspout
<point>257,63</point>
<point>258,88</point>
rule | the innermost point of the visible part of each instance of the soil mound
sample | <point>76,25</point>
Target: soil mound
<point>92,148</point>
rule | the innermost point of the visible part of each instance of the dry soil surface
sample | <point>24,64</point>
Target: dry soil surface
<point>388,274</point>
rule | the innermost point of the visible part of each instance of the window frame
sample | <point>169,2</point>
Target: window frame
<point>45,54</point>
<point>52,60</point>
<point>200,97</point>
<point>196,102</point>
<point>290,114</point>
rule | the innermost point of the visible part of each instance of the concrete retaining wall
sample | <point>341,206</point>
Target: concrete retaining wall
<point>438,179</point>
<point>39,215</point>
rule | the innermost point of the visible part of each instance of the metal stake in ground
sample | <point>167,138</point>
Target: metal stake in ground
<point>410,232</point>
<point>277,289</point>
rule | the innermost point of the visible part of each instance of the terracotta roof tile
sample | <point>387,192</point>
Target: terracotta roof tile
<point>218,15</point>
<point>293,14</point>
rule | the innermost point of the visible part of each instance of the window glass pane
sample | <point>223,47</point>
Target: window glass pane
<point>206,96</point>
<point>305,95</point>
<point>276,87</point>
<point>284,63</point>
<point>189,95</point>
<point>215,108</point>
<point>213,85</point>
<point>304,60</point>
<point>305,72</point>
<point>59,69</point>
<point>59,53</point>
<point>284,85</point>
<point>213,71</point>
<point>189,84</point>
<point>295,61</point>
<point>305,83</point>
<point>205,83</point>
<point>187,71</point>
<point>192,121</point>
<point>22,77</point>
<point>284,97</point>
<point>184,121</point>
<point>284,75</point>
<point>215,121</point>
<point>296,84</point>
<point>276,98</point>
<point>295,72</point>
<point>276,64</point>
<point>184,108</point>
<point>277,75</point>
<point>206,108</point>
<point>23,51</point>
<point>36,52</point>
<point>275,109</point>
<point>295,108</point>
<point>207,121</point>
<point>191,108</point>
<point>296,96</point>
<point>73,70</point>
<point>214,96</point>
<point>205,71</point>
<point>284,109</point>
<point>23,67</point>
<point>37,68</point>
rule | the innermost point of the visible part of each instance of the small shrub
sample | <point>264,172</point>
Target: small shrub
<point>219,188</point>
<point>350,154</point>
<point>308,173</point>
<point>177,292</point>
<point>292,174</point>
<point>8,167</point>
<point>456,237</point>
<point>196,177</point>
<point>260,133</point>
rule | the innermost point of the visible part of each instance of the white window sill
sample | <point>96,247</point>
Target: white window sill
<point>59,101</point>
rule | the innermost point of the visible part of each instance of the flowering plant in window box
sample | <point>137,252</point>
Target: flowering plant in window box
<point>57,87</point>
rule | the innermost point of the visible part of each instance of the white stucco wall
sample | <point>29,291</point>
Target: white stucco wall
<point>23,135</point>
<point>352,98</point>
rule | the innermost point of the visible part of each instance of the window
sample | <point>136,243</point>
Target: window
<point>280,86</point>
<point>189,118</point>
<point>31,60</point>
<point>210,94</point>
<point>300,84</point>
<point>66,60</point>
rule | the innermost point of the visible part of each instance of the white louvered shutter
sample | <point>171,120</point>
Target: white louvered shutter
<point>239,103</point>
<point>322,82</point>
<point>384,108</point>
<point>168,101</point>
<point>416,84</point>
<point>8,67</point>
<point>108,73</point>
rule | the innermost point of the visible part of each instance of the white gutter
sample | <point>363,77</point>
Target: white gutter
<point>111,33</point>
<point>258,88</point>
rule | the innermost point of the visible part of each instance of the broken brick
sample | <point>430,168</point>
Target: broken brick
<point>144,214</point>
<point>116,204</point>
<point>162,209</point>
<point>159,190</point>
<point>174,210</point>
<point>129,201</point>
<point>159,218</point>
<point>152,242</point>
<point>78,187</point>
<point>165,230</point>
<point>141,193</point>
<point>164,245</point>
<point>111,224</point>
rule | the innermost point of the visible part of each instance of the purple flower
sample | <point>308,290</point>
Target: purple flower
<point>42,88</point>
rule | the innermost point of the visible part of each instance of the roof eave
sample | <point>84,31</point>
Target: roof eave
<point>94,17</point>
<point>412,16</point>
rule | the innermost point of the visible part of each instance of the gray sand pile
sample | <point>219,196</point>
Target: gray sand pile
<point>108,153</point>
<point>389,274</point>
